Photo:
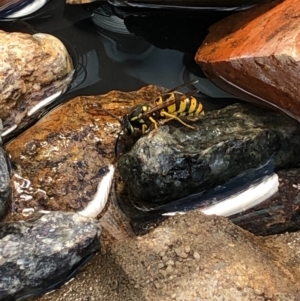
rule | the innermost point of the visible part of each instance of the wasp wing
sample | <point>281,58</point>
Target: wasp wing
<point>160,107</point>
<point>191,82</point>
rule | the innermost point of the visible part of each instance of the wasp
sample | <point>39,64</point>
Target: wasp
<point>171,105</point>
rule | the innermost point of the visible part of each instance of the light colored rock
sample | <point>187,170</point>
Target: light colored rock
<point>255,55</point>
<point>33,67</point>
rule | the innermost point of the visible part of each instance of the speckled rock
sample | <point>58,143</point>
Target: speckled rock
<point>28,77</point>
<point>192,257</point>
<point>5,190</point>
<point>62,158</point>
<point>42,253</point>
<point>255,55</point>
<point>175,161</point>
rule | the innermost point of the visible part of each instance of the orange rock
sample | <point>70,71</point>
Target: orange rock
<point>255,55</point>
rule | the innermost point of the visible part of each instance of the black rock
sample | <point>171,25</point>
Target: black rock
<point>175,162</point>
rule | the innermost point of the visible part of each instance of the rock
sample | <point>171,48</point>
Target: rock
<point>43,253</point>
<point>254,55</point>
<point>175,161</point>
<point>62,158</point>
<point>191,257</point>
<point>29,79</point>
<point>19,8</point>
<point>278,214</point>
<point>205,4</point>
<point>79,1</point>
<point>5,190</point>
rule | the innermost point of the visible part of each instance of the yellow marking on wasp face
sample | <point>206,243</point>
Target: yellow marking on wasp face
<point>145,108</point>
<point>136,117</point>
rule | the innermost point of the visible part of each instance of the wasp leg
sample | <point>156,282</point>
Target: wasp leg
<point>154,122</point>
<point>144,129</point>
<point>165,114</point>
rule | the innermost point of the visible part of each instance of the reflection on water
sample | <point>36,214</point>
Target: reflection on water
<point>118,49</point>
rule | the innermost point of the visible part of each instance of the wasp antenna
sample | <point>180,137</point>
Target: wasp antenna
<point>194,81</point>
<point>113,115</point>
<point>189,94</point>
<point>117,143</point>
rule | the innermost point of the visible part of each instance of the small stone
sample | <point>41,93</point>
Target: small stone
<point>170,262</point>
<point>180,253</point>
<point>196,255</point>
<point>187,249</point>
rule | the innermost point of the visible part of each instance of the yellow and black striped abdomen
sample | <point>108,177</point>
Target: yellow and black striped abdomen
<point>182,106</point>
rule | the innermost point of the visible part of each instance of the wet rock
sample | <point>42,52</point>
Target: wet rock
<point>43,253</point>
<point>280,213</point>
<point>5,190</point>
<point>19,8</point>
<point>30,78</point>
<point>254,55</point>
<point>191,257</point>
<point>196,4</point>
<point>62,158</point>
<point>175,161</point>
<point>79,1</point>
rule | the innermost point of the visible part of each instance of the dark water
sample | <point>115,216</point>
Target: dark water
<point>125,49</point>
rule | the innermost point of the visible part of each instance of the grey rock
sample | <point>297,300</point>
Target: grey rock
<point>175,161</point>
<point>5,190</point>
<point>43,253</point>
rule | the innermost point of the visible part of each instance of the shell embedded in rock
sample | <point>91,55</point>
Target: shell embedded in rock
<point>30,80</point>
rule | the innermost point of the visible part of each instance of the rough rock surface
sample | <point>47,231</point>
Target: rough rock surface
<point>191,257</point>
<point>280,213</point>
<point>44,252</point>
<point>175,161</point>
<point>258,51</point>
<point>27,77</point>
<point>61,159</point>
<point>5,190</point>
